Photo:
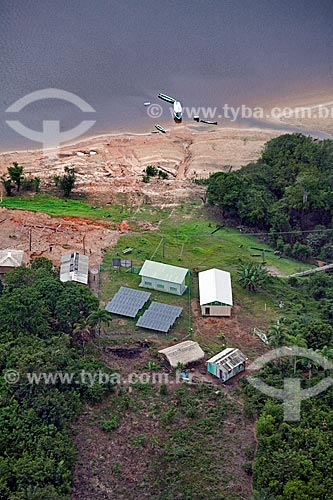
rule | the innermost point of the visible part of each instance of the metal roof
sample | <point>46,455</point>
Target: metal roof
<point>164,272</point>
<point>127,302</point>
<point>74,267</point>
<point>228,359</point>
<point>184,353</point>
<point>215,286</point>
<point>159,317</point>
<point>11,258</point>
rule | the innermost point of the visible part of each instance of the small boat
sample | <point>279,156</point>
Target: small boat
<point>177,111</point>
<point>160,128</point>
<point>146,103</point>
<point>166,98</point>
<point>208,122</point>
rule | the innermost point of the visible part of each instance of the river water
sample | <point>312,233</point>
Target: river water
<point>118,54</point>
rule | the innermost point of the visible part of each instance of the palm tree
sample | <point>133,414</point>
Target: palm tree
<point>98,317</point>
<point>252,275</point>
<point>82,333</point>
<point>297,340</point>
<point>276,336</point>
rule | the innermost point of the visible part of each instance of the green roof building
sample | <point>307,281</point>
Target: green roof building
<point>163,277</point>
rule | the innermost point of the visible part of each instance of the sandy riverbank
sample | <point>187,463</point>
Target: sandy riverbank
<point>317,114</point>
<point>185,152</point>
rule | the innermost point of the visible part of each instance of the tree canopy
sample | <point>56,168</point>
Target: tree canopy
<point>287,192</point>
<point>37,455</point>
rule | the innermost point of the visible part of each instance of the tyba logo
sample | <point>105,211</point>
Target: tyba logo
<point>50,136</point>
<point>291,394</point>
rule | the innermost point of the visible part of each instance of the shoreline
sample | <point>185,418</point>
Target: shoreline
<point>310,99</point>
<point>125,135</point>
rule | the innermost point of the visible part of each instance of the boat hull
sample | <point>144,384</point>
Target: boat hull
<point>177,112</point>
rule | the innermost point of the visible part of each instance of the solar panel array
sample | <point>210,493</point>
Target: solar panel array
<point>127,302</point>
<point>159,317</point>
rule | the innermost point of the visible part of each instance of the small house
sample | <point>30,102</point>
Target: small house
<point>74,267</point>
<point>215,293</point>
<point>163,277</point>
<point>226,364</point>
<point>9,260</point>
<point>183,353</point>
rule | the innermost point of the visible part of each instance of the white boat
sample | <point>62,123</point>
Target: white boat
<point>177,111</point>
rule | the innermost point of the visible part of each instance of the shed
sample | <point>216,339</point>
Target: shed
<point>10,259</point>
<point>163,277</point>
<point>74,267</point>
<point>215,292</point>
<point>184,353</point>
<point>226,364</point>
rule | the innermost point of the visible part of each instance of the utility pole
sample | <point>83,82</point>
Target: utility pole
<point>163,246</point>
<point>30,231</point>
<point>83,242</point>
<point>190,332</point>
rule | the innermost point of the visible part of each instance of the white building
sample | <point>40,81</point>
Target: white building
<point>10,259</point>
<point>215,293</point>
<point>163,277</point>
<point>74,267</point>
<point>226,364</point>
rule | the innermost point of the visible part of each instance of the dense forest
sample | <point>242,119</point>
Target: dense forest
<point>42,329</point>
<point>294,460</point>
<point>287,192</point>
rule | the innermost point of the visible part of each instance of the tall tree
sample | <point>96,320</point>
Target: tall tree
<point>67,181</point>
<point>7,184</point>
<point>16,174</point>
<point>97,318</point>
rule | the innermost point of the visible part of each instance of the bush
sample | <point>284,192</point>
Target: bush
<point>247,467</point>
<point>191,412</point>
<point>111,424</point>
<point>151,171</point>
<point>163,389</point>
<point>66,182</point>
<point>169,416</point>
<point>162,174</point>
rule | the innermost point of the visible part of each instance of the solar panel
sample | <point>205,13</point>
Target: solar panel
<point>159,317</point>
<point>127,302</point>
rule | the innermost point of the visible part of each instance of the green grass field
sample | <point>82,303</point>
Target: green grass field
<point>184,239</point>
<point>58,207</point>
<point>188,242</point>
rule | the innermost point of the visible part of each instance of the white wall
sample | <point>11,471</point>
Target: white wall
<point>168,287</point>
<point>216,310</point>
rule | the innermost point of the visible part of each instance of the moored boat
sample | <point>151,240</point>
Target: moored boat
<point>166,98</point>
<point>177,111</point>
<point>160,128</point>
<point>208,122</point>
